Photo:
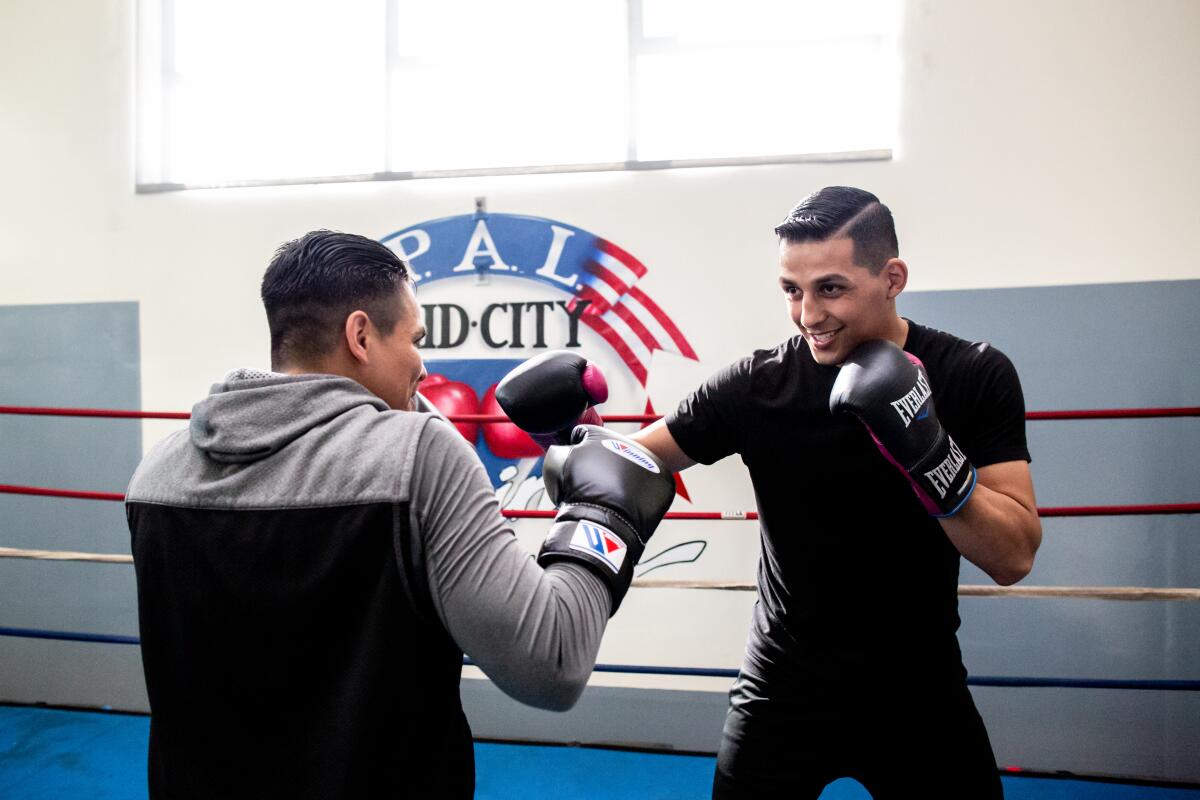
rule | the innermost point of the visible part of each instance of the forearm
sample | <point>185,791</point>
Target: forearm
<point>657,439</point>
<point>535,632</point>
<point>996,533</point>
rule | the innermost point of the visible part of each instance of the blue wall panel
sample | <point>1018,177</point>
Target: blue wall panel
<point>1079,347</point>
<point>74,355</point>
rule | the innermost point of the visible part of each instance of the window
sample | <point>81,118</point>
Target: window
<point>235,92</point>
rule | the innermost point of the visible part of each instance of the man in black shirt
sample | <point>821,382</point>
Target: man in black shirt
<point>852,666</point>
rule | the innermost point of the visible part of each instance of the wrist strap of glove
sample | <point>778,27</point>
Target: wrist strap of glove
<point>599,539</point>
<point>944,479</point>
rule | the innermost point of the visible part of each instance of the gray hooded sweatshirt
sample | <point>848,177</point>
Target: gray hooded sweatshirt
<point>311,568</point>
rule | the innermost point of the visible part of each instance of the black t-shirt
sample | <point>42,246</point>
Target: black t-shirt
<point>854,577</point>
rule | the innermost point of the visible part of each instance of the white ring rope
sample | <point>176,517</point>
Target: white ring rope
<point>975,590</point>
<point>964,590</point>
<point>65,555</point>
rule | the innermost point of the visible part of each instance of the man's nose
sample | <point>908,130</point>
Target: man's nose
<point>811,311</point>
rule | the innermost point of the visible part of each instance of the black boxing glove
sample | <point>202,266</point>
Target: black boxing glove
<point>548,395</point>
<point>611,494</point>
<point>888,390</point>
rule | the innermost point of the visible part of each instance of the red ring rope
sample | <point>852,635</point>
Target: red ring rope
<point>43,492</point>
<point>93,412</point>
<point>1119,511</point>
<point>1096,413</point>
<point>521,513</point>
<point>1116,413</point>
<point>1061,511</point>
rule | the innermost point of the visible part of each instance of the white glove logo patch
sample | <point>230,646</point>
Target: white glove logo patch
<point>600,542</point>
<point>632,453</point>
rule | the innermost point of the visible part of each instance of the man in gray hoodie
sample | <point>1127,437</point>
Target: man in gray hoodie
<point>314,556</point>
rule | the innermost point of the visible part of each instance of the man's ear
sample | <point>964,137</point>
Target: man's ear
<point>896,272</point>
<point>357,334</point>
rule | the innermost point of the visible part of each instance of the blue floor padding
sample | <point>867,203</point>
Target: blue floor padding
<point>50,754</point>
<point>514,770</point>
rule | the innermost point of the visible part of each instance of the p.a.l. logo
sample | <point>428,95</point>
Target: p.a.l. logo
<point>496,289</point>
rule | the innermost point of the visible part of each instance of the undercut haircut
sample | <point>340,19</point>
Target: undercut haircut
<point>838,211</point>
<point>313,283</point>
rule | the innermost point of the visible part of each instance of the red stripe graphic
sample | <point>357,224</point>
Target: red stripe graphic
<point>662,319</point>
<point>597,269</point>
<point>635,266</point>
<point>598,304</point>
<point>614,340</point>
<point>623,311</point>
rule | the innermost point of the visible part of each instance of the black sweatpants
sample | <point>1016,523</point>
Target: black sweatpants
<point>900,741</point>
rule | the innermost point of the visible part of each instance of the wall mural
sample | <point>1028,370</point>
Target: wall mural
<point>496,289</point>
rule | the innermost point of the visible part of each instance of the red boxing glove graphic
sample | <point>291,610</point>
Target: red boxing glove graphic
<point>453,398</point>
<point>505,439</point>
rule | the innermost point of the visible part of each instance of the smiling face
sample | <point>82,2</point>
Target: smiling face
<point>836,303</point>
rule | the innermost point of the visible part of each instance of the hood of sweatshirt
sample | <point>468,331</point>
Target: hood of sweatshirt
<point>251,414</point>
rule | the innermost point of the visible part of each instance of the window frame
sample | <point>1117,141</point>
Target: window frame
<point>154,97</point>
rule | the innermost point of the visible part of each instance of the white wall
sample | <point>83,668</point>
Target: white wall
<point>1040,143</point>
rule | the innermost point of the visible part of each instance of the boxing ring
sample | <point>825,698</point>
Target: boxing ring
<point>1121,594</point>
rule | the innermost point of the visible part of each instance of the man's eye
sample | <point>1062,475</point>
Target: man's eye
<point>831,290</point>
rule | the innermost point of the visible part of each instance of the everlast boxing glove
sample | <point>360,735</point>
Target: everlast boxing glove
<point>888,390</point>
<point>611,494</point>
<point>550,394</point>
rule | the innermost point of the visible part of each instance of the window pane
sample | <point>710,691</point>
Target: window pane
<point>485,84</point>
<point>794,21</point>
<point>260,90</point>
<point>275,88</point>
<point>771,79</point>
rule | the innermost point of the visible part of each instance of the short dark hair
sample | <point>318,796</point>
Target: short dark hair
<point>313,283</point>
<point>845,211</point>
